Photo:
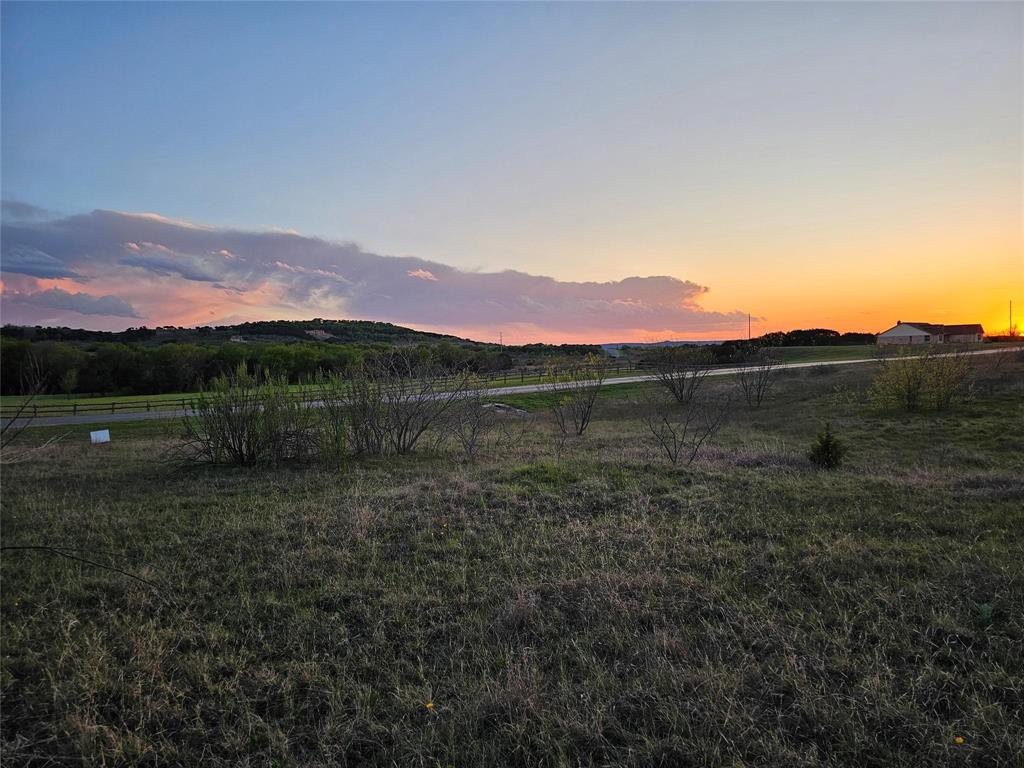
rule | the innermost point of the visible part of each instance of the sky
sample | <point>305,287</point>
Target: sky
<point>542,172</point>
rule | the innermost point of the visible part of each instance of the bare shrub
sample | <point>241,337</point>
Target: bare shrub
<point>576,390</point>
<point>756,375</point>
<point>394,401</point>
<point>682,370</point>
<point>513,429</point>
<point>247,419</point>
<point>472,417</point>
<point>333,433</point>
<point>367,417</point>
<point>682,429</point>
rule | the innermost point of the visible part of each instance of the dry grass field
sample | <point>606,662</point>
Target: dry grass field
<point>555,602</point>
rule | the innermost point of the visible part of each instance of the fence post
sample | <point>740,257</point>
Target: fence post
<point>112,407</point>
<point>74,409</point>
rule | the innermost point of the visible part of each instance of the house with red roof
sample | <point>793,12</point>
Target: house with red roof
<point>932,333</point>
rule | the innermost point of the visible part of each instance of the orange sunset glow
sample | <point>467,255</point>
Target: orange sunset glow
<point>693,171</point>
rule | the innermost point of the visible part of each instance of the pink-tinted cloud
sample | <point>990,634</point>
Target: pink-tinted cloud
<point>170,271</point>
<point>59,301</point>
<point>422,274</point>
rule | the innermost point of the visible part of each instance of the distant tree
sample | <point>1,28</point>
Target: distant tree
<point>179,367</point>
<point>114,368</point>
<point>14,357</point>
<point>68,381</point>
<point>276,359</point>
<point>58,364</point>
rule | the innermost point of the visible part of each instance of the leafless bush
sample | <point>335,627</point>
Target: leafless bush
<point>472,418</point>
<point>576,392</point>
<point>395,401</point>
<point>367,415</point>
<point>756,375</point>
<point>681,371</point>
<point>682,429</point>
<point>333,433</point>
<point>247,419</point>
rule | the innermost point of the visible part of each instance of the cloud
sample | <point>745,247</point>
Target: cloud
<point>15,210</point>
<point>26,260</point>
<point>160,260</point>
<point>422,274</point>
<point>181,273</point>
<point>79,303</point>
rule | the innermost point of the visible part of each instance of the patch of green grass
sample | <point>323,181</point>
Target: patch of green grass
<point>812,354</point>
<point>121,430</point>
<point>547,475</point>
<point>541,401</point>
<point>574,602</point>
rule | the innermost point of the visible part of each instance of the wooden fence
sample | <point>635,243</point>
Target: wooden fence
<point>46,408</point>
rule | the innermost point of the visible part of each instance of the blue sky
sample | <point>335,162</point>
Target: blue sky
<point>583,142</point>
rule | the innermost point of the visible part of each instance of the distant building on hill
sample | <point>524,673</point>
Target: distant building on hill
<point>931,333</point>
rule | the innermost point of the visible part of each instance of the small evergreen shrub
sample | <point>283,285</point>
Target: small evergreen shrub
<point>827,451</point>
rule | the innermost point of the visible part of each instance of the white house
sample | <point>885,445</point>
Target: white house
<point>931,333</point>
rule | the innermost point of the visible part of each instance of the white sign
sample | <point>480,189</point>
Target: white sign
<point>102,436</point>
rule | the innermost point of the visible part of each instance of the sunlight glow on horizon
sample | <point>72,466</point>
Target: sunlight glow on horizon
<point>836,165</point>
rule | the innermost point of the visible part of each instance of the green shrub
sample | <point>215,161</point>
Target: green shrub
<point>248,419</point>
<point>827,451</point>
<point>921,381</point>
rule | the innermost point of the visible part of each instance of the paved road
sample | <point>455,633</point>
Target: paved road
<point>519,389</point>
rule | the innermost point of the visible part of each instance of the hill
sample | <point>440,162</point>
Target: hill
<point>171,359</point>
<point>317,329</point>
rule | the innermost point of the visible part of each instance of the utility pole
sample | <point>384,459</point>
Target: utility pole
<point>501,338</point>
<point>748,326</point>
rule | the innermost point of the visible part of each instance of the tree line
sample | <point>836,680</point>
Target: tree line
<point>106,368</point>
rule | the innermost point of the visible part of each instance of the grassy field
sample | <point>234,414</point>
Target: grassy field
<point>174,400</point>
<point>563,604</point>
<point>823,354</point>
